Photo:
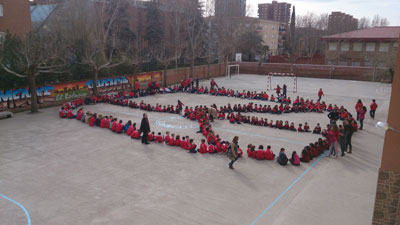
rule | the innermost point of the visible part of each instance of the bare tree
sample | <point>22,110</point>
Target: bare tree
<point>195,27</point>
<point>31,55</point>
<point>91,29</point>
<point>165,54</point>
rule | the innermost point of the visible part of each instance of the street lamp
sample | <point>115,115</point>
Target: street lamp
<point>385,126</point>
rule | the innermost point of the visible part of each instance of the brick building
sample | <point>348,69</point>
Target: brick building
<point>368,47</point>
<point>230,8</point>
<point>276,11</point>
<point>269,31</point>
<point>15,17</point>
<point>341,22</point>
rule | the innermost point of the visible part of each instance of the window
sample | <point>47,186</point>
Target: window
<point>395,45</point>
<point>370,47</point>
<point>384,47</point>
<point>332,46</point>
<point>345,46</point>
<point>1,10</point>
<point>357,46</point>
<point>368,64</point>
<point>356,63</point>
<point>273,36</point>
<point>343,63</point>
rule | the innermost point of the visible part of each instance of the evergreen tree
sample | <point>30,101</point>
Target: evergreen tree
<point>292,32</point>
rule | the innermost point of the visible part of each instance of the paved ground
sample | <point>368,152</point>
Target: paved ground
<point>66,173</point>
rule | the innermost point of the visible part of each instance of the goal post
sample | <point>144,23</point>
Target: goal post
<point>271,75</point>
<point>232,68</point>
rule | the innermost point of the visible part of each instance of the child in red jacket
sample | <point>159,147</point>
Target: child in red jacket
<point>118,127</point>
<point>317,129</point>
<point>135,134</point>
<point>269,155</point>
<point>211,149</point>
<point>292,128</point>
<point>192,147</point>
<point>203,146</point>
<point>159,138</point>
<point>167,138</point>
<point>306,127</point>
<point>172,140</point>
<point>373,108</point>
<point>260,155</point>
<point>150,136</point>
<point>300,129</point>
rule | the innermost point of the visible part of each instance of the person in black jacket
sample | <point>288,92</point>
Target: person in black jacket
<point>145,129</point>
<point>333,116</point>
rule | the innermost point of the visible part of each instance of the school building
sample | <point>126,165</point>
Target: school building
<point>15,17</point>
<point>372,47</point>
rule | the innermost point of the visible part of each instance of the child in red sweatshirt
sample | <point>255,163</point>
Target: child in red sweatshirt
<point>203,146</point>
<point>167,137</point>
<point>159,138</point>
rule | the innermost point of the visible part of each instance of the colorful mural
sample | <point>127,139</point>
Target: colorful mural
<point>21,97</point>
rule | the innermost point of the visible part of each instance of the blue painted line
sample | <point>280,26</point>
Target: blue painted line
<point>262,136</point>
<point>288,188</point>
<point>28,218</point>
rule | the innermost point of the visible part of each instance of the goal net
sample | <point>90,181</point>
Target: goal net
<point>232,70</point>
<point>292,83</point>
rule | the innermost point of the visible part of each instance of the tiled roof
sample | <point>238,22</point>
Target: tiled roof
<point>375,33</point>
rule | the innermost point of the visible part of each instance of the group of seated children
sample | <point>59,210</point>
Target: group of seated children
<point>260,154</point>
<point>313,150</point>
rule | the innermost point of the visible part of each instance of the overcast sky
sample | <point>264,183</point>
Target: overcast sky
<point>358,8</point>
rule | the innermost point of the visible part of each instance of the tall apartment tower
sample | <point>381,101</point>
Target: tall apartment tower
<point>341,22</point>
<point>231,8</point>
<point>276,11</point>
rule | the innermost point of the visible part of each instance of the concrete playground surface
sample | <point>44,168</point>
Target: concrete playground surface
<point>63,172</point>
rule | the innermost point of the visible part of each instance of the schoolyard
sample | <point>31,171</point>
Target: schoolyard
<point>63,172</point>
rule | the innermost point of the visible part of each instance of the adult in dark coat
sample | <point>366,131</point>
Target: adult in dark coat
<point>145,129</point>
<point>333,116</point>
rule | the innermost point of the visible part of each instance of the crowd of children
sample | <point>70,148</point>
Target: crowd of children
<point>212,143</point>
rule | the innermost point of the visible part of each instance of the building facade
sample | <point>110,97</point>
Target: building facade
<point>276,11</point>
<point>373,47</point>
<point>387,207</point>
<point>341,22</point>
<point>230,8</point>
<point>15,17</point>
<point>269,31</point>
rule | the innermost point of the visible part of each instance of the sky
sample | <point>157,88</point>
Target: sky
<point>358,8</point>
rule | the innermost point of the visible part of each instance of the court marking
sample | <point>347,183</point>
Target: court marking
<point>288,188</point>
<point>28,218</point>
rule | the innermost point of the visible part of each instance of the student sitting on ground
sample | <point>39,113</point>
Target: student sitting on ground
<point>203,146</point>
<point>260,155</point>
<point>300,129</point>
<point>178,140</point>
<point>135,134</point>
<point>172,140</point>
<point>118,127</point>
<point>192,148</point>
<point>317,129</point>
<point>150,136</point>
<point>269,155</point>
<point>211,149</point>
<point>295,160</point>
<point>282,158</point>
<point>305,157</point>
<point>306,127</point>
<point>249,150</point>
<point>167,138</point>
<point>159,138</point>
<point>292,128</point>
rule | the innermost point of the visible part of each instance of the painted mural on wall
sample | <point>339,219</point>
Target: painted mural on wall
<point>21,97</point>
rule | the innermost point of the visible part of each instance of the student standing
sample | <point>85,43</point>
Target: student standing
<point>284,90</point>
<point>362,116</point>
<point>348,133</point>
<point>359,106</point>
<point>373,108</point>
<point>320,94</point>
<point>145,129</point>
<point>233,153</point>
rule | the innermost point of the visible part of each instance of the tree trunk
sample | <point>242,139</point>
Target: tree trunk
<point>32,87</point>
<point>134,77</point>
<point>208,73</point>
<point>96,75</point>
<point>191,67</point>
<point>165,75</point>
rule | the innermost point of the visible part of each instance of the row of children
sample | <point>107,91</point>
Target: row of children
<point>308,153</point>
<point>239,119</point>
